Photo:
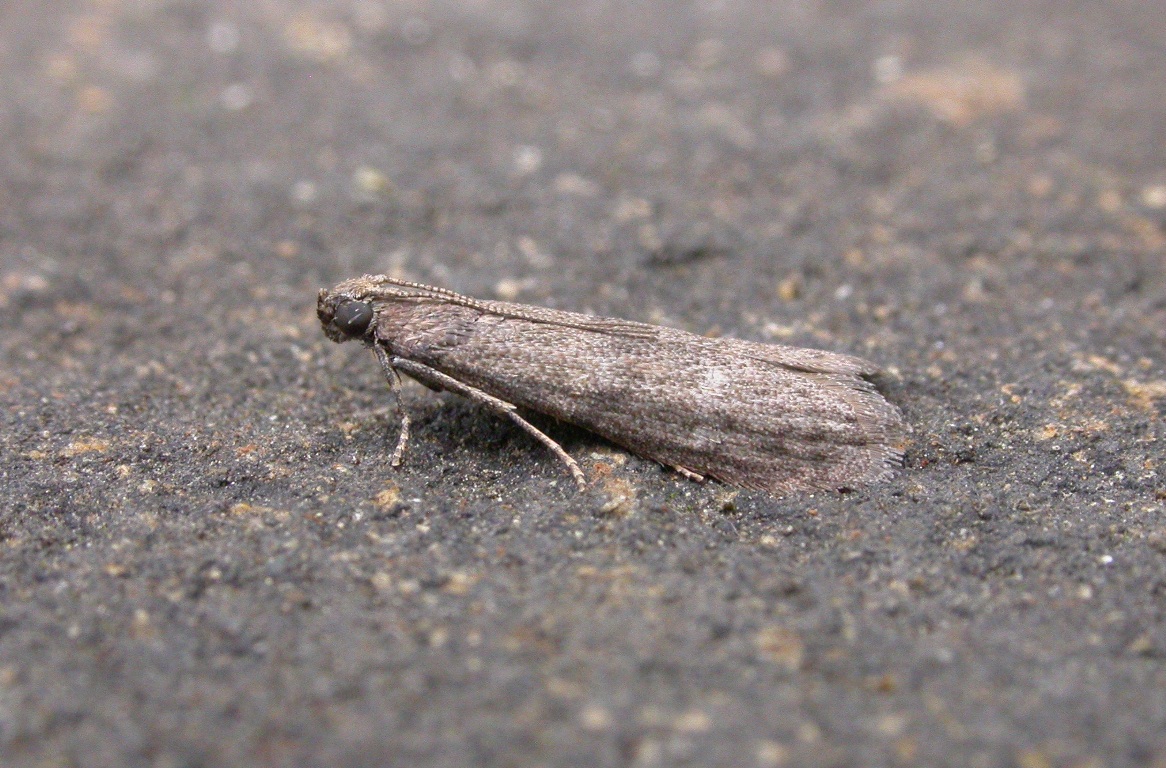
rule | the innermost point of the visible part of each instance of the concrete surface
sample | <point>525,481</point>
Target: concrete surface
<point>205,559</point>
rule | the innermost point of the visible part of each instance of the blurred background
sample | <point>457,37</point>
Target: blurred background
<point>205,559</point>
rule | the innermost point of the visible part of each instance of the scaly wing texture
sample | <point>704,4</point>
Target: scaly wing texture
<point>755,415</point>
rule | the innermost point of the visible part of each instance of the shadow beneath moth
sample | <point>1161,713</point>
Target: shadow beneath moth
<point>761,416</point>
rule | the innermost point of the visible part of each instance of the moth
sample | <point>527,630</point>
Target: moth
<point>761,416</point>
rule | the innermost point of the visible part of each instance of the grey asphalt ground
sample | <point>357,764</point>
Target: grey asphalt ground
<point>206,559</point>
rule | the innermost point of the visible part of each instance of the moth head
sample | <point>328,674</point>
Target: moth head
<point>344,317</point>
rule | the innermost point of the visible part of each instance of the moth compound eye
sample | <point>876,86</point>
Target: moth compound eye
<point>353,317</point>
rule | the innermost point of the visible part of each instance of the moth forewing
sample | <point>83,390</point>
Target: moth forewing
<point>761,416</point>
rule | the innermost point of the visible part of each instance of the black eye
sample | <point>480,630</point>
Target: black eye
<point>353,317</point>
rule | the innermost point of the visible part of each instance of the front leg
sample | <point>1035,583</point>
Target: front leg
<point>394,380</point>
<point>424,372</point>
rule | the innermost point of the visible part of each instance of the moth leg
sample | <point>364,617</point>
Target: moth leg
<point>394,380</point>
<point>495,404</point>
<point>695,476</point>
